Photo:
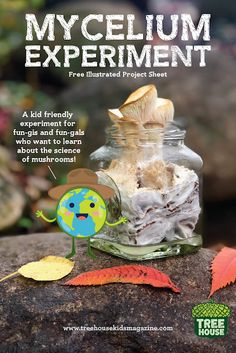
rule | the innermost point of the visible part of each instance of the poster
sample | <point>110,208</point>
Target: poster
<point>117,176</point>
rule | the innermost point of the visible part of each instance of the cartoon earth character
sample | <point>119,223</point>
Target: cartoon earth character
<point>81,210</point>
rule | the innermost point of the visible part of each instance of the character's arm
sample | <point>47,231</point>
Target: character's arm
<point>120,221</point>
<point>39,214</point>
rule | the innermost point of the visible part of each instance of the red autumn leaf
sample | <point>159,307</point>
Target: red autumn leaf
<point>223,269</point>
<point>136,274</point>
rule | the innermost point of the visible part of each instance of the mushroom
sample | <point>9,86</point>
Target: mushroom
<point>143,107</point>
<point>139,118</point>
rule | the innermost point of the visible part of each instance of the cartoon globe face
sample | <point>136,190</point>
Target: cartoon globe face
<point>81,212</point>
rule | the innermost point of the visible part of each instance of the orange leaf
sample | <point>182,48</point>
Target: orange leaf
<point>223,269</point>
<point>136,274</point>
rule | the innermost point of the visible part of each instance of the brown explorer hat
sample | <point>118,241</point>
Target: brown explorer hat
<point>81,177</point>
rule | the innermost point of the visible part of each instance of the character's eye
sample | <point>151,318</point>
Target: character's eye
<point>72,205</point>
<point>92,205</point>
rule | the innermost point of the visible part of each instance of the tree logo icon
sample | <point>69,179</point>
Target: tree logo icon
<point>211,319</point>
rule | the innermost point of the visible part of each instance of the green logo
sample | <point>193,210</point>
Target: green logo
<point>211,319</point>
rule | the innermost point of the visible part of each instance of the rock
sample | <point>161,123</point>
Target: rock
<point>33,314</point>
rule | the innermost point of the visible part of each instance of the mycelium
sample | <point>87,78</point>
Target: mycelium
<point>159,198</point>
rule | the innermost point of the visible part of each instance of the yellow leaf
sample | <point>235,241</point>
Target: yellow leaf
<point>49,268</point>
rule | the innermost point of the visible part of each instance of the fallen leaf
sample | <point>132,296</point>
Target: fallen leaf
<point>223,269</point>
<point>49,268</point>
<point>136,274</point>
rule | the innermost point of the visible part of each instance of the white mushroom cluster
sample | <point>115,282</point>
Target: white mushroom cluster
<point>144,107</point>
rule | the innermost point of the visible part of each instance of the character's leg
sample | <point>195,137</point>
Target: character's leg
<point>73,249</point>
<point>89,250</point>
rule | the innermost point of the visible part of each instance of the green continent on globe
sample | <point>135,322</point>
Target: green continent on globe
<point>99,211</point>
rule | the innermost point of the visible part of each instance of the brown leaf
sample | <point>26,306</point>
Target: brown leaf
<point>136,274</point>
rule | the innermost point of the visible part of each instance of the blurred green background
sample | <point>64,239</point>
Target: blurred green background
<point>204,98</point>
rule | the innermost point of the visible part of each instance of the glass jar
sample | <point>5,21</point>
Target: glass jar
<point>157,181</point>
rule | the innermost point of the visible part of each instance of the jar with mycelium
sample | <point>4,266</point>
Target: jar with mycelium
<point>157,180</point>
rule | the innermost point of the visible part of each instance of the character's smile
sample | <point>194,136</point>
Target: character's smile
<point>81,216</point>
